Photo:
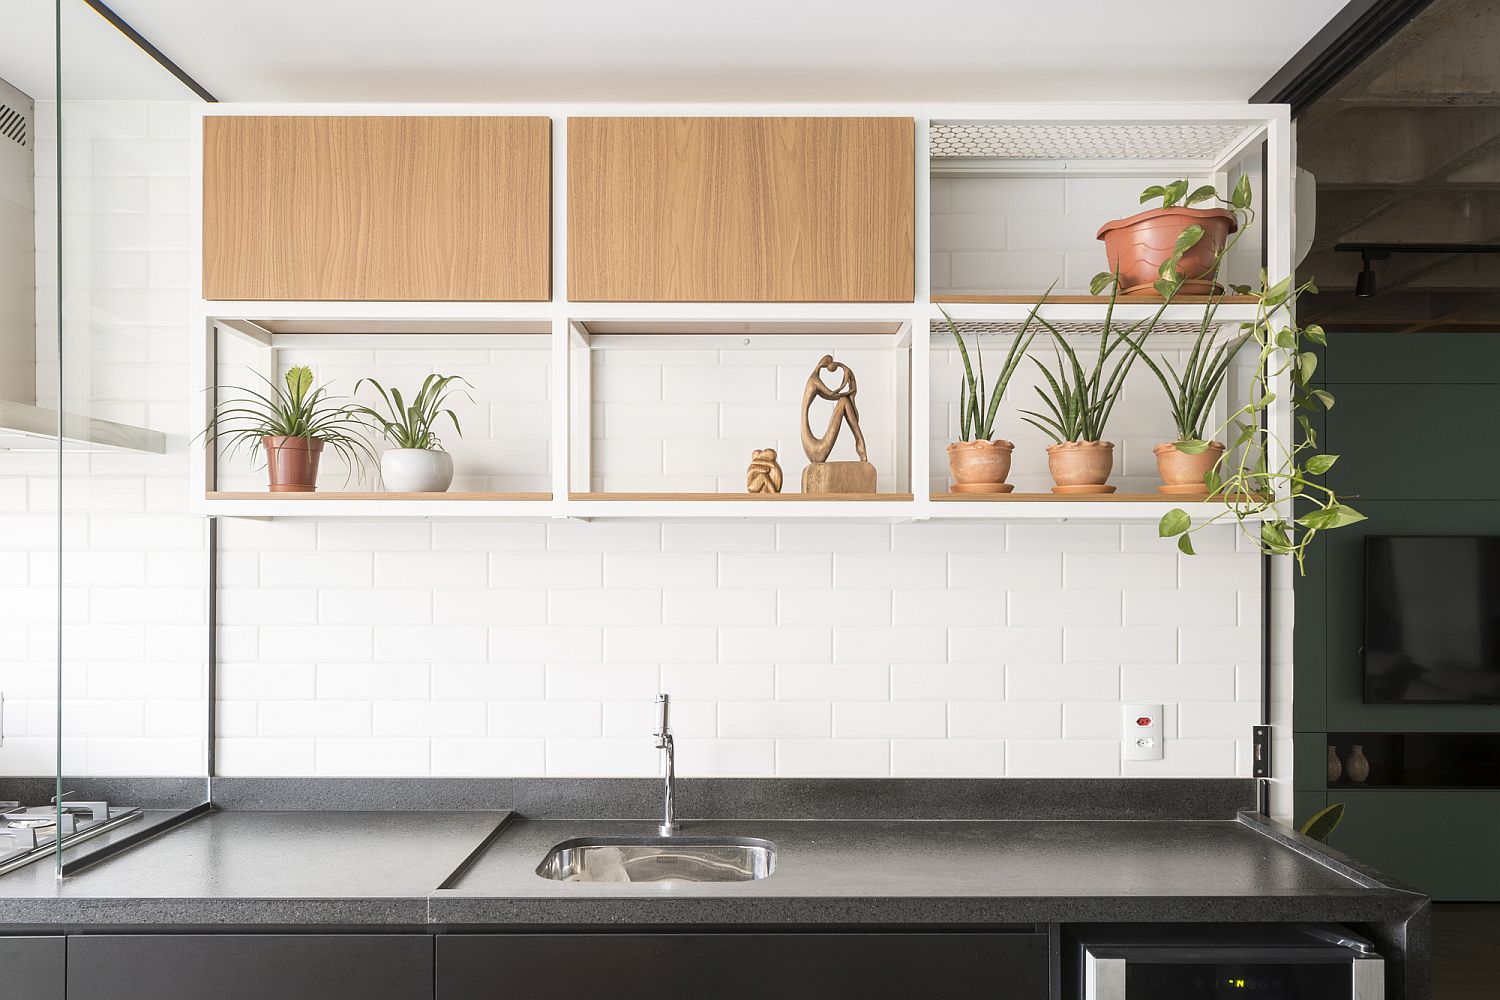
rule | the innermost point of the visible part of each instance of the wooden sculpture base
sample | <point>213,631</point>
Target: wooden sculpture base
<point>838,477</point>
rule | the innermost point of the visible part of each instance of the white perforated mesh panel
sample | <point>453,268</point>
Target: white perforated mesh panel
<point>1067,327</point>
<point>1083,141</point>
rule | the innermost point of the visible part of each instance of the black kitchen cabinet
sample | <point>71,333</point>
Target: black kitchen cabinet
<point>734,966</point>
<point>32,967</point>
<point>250,967</point>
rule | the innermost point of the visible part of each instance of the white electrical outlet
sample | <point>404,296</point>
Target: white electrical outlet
<point>1142,732</point>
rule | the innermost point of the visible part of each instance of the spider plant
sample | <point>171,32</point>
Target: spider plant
<point>297,408</point>
<point>976,411</point>
<point>412,425</point>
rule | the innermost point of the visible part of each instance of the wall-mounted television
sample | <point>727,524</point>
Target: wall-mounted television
<point>1432,619</point>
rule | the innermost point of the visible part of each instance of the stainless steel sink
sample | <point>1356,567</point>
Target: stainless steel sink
<point>659,859</point>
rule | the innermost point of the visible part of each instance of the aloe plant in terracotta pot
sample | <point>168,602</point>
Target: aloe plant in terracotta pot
<point>978,461</point>
<point>291,423</point>
<point>1137,247</point>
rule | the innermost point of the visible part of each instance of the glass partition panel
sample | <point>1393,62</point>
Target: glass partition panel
<point>134,562</point>
<point>29,470</point>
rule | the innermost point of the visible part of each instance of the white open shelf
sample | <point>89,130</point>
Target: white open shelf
<point>1134,145</point>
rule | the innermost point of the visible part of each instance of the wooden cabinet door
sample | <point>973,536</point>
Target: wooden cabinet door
<point>740,209</point>
<point>377,208</point>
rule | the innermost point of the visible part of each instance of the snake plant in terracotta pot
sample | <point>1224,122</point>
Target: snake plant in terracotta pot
<point>1079,398</point>
<point>1138,247</point>
<point>292,423</point>
<point>418,463</point>
<point>978,461</point>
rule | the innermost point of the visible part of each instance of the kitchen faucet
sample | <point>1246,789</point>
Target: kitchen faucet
<point>664,742</point>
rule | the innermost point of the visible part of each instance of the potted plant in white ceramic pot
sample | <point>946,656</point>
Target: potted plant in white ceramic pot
<point>978,461</point>
<point>291,423</point>
<point>417,462</point>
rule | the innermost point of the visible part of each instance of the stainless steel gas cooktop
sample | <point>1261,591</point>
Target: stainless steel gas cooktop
<point>29,834</point>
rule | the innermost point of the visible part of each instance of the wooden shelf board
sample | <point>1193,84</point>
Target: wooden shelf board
<point>1062,498</point>
<point>734,497</point>
<point>1089,300</point>
<point>294,497</point>
<point>1078,498</point>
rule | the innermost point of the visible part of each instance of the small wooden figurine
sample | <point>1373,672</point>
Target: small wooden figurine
<point>821,475</point>
<point>764,474</point>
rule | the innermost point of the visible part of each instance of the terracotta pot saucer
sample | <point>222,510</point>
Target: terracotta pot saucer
<point>982,487</point>
<point>1084,488</point>
<point>1184,490</point>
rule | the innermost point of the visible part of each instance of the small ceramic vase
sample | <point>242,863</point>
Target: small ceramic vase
<point>1358,765</point>
<point>416,470</point>
<point>1335,766</point>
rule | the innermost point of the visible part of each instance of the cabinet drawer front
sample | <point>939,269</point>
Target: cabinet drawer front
<point>251,966</point>
<point>401,208</point>
<point>32,967</point>
<point>622,966</point>
<point>740,209</point>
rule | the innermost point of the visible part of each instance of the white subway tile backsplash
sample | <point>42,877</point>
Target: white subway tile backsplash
<point>874,644</point>
<point>831,607</point>
<point>1009,720</point>
<point>911,720</point>
<point>488,757</point>
<point>1062,758</point>
<point>833,758</point>
<point>489,648</point>
<point>948,758</point>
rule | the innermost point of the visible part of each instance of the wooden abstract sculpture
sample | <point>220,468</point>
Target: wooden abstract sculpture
<point>764,474</point>
<point>821,475</point>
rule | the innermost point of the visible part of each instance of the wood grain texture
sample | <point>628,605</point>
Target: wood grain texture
<point>737,497</point>
<point>740,209</point>
<point>1089,300</point>
<point>314,497</point>
<point>370,208</point>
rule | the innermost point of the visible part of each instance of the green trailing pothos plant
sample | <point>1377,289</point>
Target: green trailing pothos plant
<point>1264,477</point>
<point>296,408</point>
<point>1321,824</point>
<point>976,410</point>
<point>412,425</point>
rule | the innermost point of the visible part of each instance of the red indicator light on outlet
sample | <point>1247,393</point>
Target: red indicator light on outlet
<point>1144,720</point>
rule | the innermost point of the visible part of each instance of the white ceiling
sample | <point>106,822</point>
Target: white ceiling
<point>715,50</point>
<point>99,63</point>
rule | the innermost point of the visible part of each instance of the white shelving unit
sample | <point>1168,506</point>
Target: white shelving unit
<point>1155,142</point>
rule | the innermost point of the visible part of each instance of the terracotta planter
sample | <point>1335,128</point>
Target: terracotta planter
<point>1181,473</point>
<point>292,463</point>
<point>1081,466</point>
<point>1138,246</point>
<point>980,466</point>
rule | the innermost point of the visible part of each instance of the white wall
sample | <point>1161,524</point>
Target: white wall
<point>134,562</point>
<point>485,648</point>
<point>479,648</point>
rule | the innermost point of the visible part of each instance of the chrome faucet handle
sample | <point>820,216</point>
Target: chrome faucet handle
<point>663,728</point>
<point>668,826</point>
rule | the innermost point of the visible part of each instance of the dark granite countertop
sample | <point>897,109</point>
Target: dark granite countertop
<point>231,867</point>
<point>910,872</point>
<point>365,868</point>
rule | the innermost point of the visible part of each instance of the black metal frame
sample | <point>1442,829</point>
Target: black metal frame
<point>126,843</point>
<point>145,46</point>
<point>1355,32</point>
